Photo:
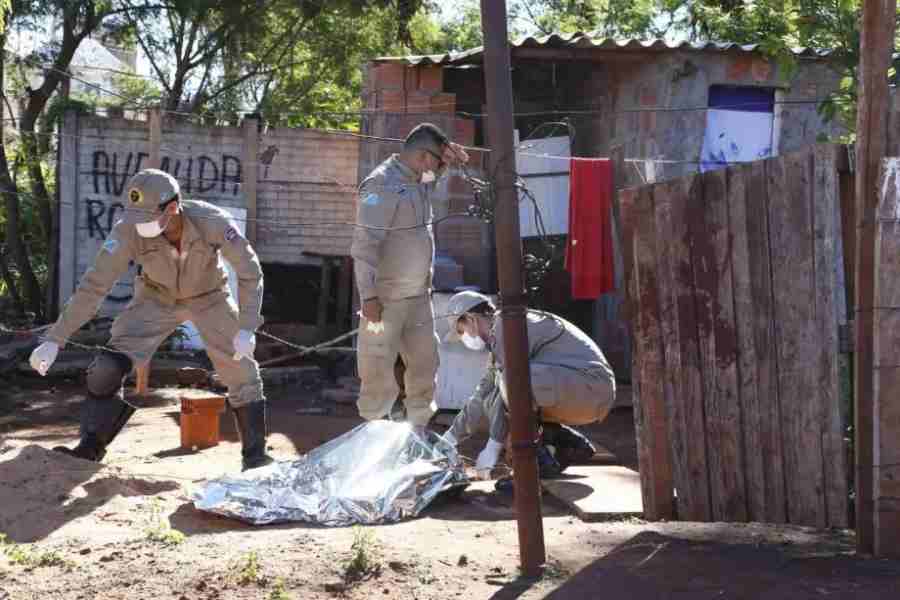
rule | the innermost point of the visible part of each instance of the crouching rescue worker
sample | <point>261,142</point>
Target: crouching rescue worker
<point>571,382</point>
<point>176,244</point>
<point>393,252</point>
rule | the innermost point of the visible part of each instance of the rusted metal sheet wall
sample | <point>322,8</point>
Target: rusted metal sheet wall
<point>733,296</point>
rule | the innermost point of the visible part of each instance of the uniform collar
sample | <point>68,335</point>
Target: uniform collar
<point>190,233</point>
<point>403,168</point>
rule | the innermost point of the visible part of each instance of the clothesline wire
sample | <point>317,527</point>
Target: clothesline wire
<point>325,131</point>
<point>557,111</point>
<point>282,224</point>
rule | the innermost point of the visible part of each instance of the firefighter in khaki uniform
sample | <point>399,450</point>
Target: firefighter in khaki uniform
<point>177,245</point>
<point>571,381</point>
<point>393,254</point>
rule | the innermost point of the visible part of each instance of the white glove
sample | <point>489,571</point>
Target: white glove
<point>43,357</point>
<point>375,328</point>
<point>244,344</point>
<point>487,459</point>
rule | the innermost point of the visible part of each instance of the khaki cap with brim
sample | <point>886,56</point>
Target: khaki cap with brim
<point>458,306</point>
<point>147,192</point>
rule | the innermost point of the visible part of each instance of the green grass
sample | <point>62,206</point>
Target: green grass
<point>279,591</point>
<point>365,560</point>
<point>28,555</point>
<point>249,570</point>
<point>158,530</point>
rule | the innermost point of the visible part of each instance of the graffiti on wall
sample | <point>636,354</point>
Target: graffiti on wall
<point>110,173</point>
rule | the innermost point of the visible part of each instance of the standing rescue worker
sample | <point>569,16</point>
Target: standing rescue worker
<point>393,253</point>
<point>571,382</point>
<point>177,245</point>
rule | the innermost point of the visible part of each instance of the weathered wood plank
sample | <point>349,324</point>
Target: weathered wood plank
<point>654,455</point>
<point>849,225</point>
<point>693,493</point>
<point>713,281</point>
<point>740,180</point>
<point>664,204</point>
<point>760,271</point>
<point>886,491</point>
<point>876,39</point>
<point>826,239</point>
<point>628,199</point>
<point>793,275</point>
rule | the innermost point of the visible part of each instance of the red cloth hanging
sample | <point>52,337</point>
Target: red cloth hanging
<point>589,253</point>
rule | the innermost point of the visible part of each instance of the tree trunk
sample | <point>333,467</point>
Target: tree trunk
<point>32,288</point>
<point>12,289</point>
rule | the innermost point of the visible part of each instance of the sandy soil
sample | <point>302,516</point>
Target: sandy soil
<point>127,529</point>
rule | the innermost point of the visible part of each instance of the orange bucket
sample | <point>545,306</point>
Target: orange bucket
<point>200,420</point>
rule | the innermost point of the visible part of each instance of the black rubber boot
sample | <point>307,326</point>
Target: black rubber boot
<point>570,446</point>
<point>548,466</point>
<point>250,420</point>
<point>101,421</point>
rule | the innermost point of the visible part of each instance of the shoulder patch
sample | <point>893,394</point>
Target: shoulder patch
<point>111,245</point>
<point>231,234</point>
<point>372,200</point>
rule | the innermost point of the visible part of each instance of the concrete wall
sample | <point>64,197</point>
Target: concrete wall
<point>303,176</point>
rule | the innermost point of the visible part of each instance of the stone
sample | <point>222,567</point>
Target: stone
<point>598,492</point>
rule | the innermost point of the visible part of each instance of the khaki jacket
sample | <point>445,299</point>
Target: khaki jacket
<point>397,263</point>
<point>166,277</point>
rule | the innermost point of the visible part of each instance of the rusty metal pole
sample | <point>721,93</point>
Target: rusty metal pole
<point>512,302</point>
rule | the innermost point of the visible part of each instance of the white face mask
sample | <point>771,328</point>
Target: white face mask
<point>472,342</point>
<point>153,228</point>
<point>428,177</point>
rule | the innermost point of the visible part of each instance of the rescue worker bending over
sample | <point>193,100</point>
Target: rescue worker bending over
<point>571,382</point>
<point>393,252</point>
<point>177,244</point>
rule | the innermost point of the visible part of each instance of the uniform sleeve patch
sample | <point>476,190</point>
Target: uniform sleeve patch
<point>372,200</point>
<point>111,245</point>
<point>231,234</point>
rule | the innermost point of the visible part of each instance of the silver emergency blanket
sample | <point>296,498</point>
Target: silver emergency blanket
<point>379,472</point>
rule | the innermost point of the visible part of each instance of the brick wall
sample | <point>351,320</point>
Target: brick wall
<point>401,97</point>
<point>312,179</point>
<point>304,176</point>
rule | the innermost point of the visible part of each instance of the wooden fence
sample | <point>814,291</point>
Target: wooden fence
<point>733,297</point>
<point>884,371</point>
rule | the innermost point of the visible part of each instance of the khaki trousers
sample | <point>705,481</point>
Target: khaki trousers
<point>570,397</point>
<point>409,332</point>
<point>145,324</point>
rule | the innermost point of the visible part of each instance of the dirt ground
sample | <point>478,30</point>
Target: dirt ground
<point>127,529</point>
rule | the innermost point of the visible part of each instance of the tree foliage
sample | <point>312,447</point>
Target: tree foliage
<point>229,55</point>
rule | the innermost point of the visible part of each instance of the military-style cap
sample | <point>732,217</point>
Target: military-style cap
<point>146,194</point>
<point>458,306</point>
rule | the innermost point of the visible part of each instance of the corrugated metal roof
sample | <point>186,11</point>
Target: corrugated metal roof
<point>590,41</point>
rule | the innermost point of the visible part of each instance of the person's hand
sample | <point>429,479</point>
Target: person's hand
<point>244,344</point>
<point>43,357</point>
<point>372,309</point>
<point>455,155</point>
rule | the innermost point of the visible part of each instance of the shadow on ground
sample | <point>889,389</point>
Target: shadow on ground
<point>652,566</point>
